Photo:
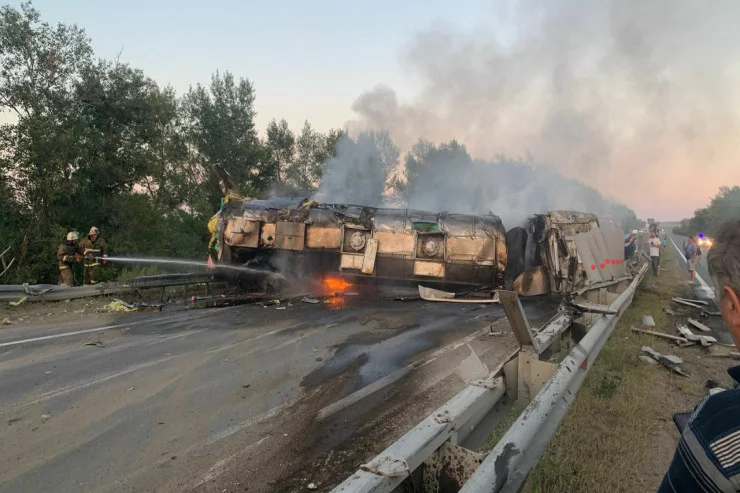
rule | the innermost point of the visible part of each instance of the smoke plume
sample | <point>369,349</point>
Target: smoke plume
<point>636,99</point>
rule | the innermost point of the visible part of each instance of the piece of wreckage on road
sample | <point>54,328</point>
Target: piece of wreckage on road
<point>302,237</point>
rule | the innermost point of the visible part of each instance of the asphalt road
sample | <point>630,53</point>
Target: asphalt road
<point>227,399</point>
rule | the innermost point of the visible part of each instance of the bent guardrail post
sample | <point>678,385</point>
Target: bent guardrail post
<point>508,465</point>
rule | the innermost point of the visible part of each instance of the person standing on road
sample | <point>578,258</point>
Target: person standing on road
<point>708,453</point>
<point>691,257</point>
<point>655,246</point>
<point>94,250</point>
<point>629,246</point>
<point>66,256</point>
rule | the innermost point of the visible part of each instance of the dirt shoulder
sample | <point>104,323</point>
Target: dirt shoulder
<point>619,435</point>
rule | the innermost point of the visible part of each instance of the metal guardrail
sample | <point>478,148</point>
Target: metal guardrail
<point>508,465</point>
<point>53,292</point>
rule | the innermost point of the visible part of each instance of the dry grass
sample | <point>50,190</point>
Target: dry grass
<point>606,439</point>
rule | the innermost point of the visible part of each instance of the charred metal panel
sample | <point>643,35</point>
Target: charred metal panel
<point>290,236</point>
<point>351,261</point>
<point>354,239</point>
<point>321,237</point>
<point>391,243</point>
<point>429,269</point>
<point>391,220</point>
<point>242,233</point>
<point>478,250</point>
<point>267,236</point>
<point>368,261</point>
<point>430,246</point>
<point>615,243</point>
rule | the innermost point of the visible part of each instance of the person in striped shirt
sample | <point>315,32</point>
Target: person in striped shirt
<point>708,453</point>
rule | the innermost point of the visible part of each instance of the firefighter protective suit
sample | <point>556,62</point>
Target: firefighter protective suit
<point>94,249</point>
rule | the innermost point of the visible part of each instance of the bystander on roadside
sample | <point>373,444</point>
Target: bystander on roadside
<point>655,246</point>
<point>691,258</point>
<point>708,453</point>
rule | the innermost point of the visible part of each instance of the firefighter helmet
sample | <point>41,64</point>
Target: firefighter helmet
<point>93,231</point>
<point>72,236</point>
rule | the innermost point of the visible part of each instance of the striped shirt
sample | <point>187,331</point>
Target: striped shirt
<point>708,454</point>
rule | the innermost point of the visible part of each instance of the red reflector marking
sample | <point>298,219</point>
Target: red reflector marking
<point>607,261</point>
<point>593,267</point>
<point>602,266</point>
<point>584,365</point>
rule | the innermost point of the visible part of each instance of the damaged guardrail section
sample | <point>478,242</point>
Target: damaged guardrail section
<point>435,442</point>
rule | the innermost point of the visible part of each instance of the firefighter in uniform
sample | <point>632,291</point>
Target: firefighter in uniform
<point>66,256</point>
<point>94,252</point>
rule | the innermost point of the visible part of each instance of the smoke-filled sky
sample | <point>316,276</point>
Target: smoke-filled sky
<point>635,98</point>
<point>638,99</point>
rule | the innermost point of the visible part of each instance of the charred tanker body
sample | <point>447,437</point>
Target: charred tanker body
<point>300,237</point>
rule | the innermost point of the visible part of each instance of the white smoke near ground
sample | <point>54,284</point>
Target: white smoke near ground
<point>635,99</point>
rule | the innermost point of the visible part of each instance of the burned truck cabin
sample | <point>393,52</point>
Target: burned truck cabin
<point>303,237</point>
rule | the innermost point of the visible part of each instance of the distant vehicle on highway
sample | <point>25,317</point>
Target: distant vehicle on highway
<point>703,241</point>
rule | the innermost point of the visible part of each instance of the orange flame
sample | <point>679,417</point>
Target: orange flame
<point>334,286</point>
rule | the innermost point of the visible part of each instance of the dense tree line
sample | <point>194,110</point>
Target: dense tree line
<point>725,206</point>
<point>96,142</point>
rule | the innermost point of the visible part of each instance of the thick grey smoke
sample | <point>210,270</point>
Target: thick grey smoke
<point>634,98</point>
<point>359,172</point>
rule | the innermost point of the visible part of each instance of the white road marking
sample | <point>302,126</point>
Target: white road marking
<point>64,334</point>
<point>707,290</point>
<point>84,384</point>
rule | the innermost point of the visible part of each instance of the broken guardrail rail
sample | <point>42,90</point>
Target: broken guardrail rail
<point>435,442</point>
<point>54,292</point>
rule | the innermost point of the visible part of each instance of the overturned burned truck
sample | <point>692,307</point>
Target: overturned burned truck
<point>302,237</point>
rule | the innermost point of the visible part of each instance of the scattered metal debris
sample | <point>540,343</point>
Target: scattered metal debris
<point>647,359</point>
<point>670,312</point>
<point>430,294</point>
<point>687,303</point>
<point>704,340</point>
<point>96,344</point>
<point>648,321</point>
<point>18,303</point>
<point>668,360</point>
<point>6,321</point>
<point>706,313</point>
<point>696,302</point>
<point>660,334</point>
<point>699,325</point>
<point>119,306</point>
<point>312,301</point>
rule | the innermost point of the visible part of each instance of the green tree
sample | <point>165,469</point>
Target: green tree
<point>280,145</point>
<point>220,129</point>
<point>39,67</point>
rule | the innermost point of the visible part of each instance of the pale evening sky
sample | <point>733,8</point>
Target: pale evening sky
<point>312,60</point>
